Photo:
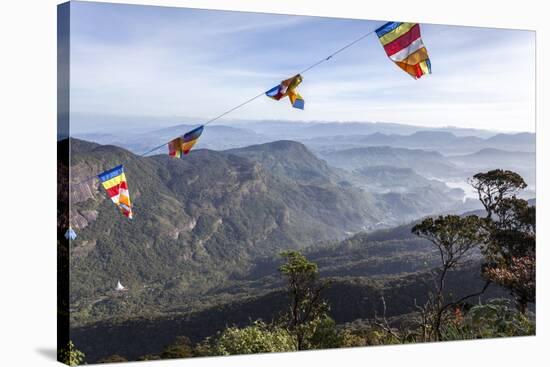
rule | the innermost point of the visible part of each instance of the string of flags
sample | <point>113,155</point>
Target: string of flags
<point>402,43</point>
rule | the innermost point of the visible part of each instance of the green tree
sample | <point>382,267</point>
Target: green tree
<point>70,355</point>
<point>454,237</point>
<point>493,186</point>
<point>304,289</point>
<point>510,251</point>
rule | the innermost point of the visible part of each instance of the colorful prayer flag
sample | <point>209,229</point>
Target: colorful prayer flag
<point>288,88</point>
<point>114,182</point>
<point>403,45</point>
<point>184,143</point>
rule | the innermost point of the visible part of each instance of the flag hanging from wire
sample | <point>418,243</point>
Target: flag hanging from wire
<point>114,182</point>
<point>403,45</point>
<point>183,144</point>
<point>288,88</point>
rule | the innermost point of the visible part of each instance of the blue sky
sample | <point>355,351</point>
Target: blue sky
<point>171,63</point>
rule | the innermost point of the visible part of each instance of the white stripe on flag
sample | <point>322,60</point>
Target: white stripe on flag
<point>416,45</point>
<point>115,199</point>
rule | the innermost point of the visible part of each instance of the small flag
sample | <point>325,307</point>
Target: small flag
<point>70,234</point>
<point>184,143</point>
<point>114,182</point>
<point>288,88</point>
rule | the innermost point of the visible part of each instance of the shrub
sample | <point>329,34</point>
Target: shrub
<point>70,355</point>
<point>256,338</point>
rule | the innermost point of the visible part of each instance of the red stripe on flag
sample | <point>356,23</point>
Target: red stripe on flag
<point>404,41</point>
<point>113,191</point>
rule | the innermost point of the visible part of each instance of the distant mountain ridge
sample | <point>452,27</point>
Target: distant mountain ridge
<point>441,141</point>
<point>521,162</point>
<point>320,137</point>
<point>219,137</point>
<point>427,163</point>
<point>298,129</point>
<point>110,124</point>
<point>400,194</point>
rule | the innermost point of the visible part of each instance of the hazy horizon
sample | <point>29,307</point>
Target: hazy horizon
<point>104,122</point>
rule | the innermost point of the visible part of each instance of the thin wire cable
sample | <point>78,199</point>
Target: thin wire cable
<point>337,52</point>
<point>325,59</point>
<point>211,120</point>
<point>233,109</point>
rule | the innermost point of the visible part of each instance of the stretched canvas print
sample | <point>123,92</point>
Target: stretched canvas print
<point>237,183</point>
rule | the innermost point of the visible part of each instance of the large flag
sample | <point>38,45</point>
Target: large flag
<point>183,144</point>
<point>404,46</point>
<point>114,182</point>
<point>288,88</point>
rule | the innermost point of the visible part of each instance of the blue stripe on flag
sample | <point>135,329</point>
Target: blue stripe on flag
<point>386,28</point>
<point>113,172</point>
<point>193,134</point>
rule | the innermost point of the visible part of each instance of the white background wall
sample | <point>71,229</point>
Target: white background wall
<point>28,182</point>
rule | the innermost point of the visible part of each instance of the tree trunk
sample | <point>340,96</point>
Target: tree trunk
<point>521,305</point>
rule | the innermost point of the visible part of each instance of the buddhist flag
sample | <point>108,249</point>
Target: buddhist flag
<point>404,46</point>
<point>114,182</point>
<point>184,143</point>
<point>288,88</point>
